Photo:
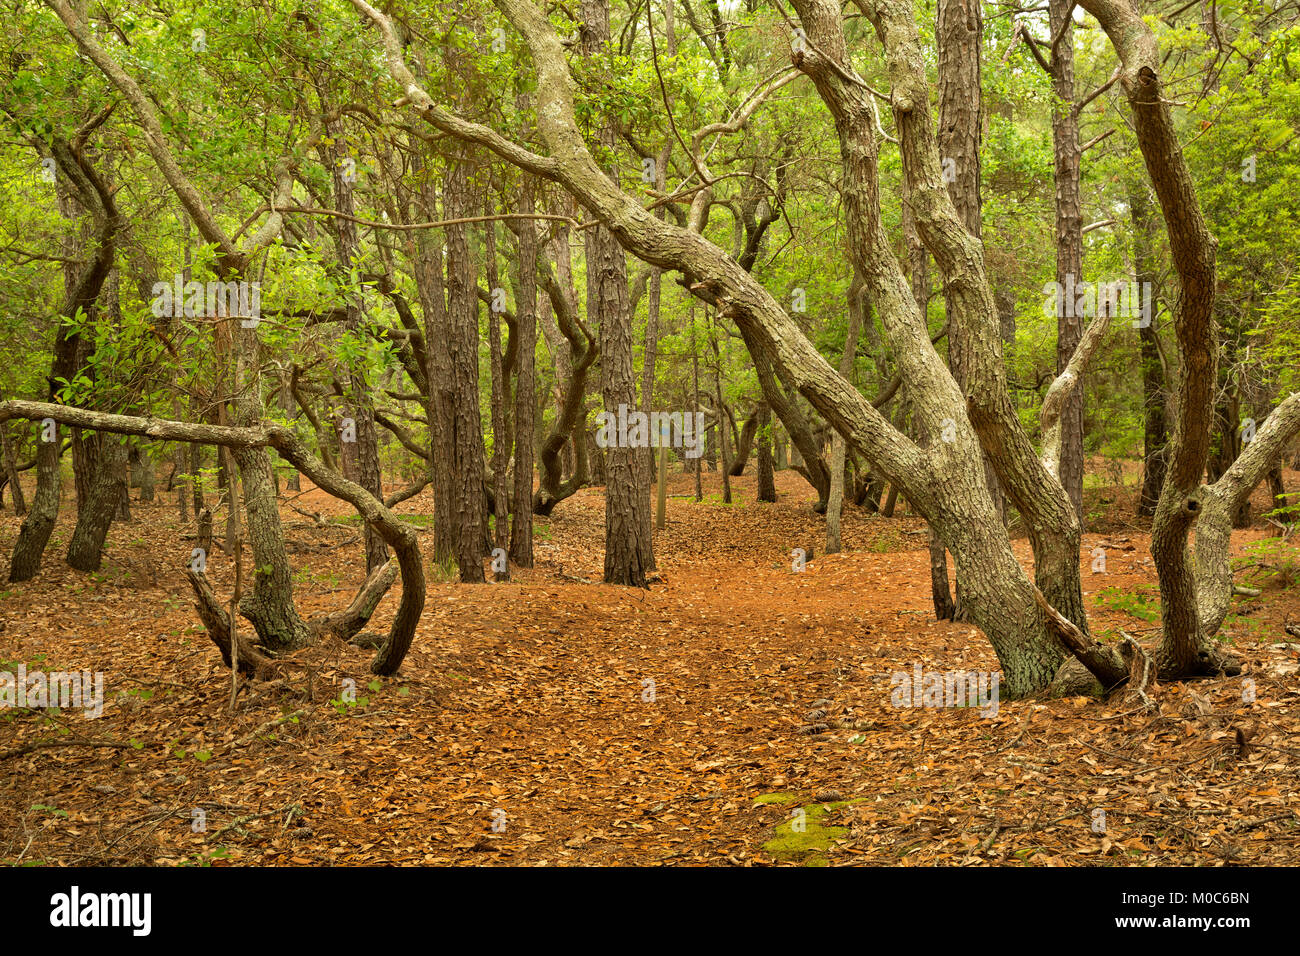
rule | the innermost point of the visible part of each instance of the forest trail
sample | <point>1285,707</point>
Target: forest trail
<point>523,728</point>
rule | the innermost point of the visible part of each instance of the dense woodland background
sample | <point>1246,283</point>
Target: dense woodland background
<point>464,231</point>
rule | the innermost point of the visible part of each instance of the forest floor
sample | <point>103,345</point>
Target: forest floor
<point>552,720</point>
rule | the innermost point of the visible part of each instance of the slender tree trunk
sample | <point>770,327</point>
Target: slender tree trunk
<point>835,502</point>
<point>145,464</point>
<point>695,384</point>
<point>521,530</point>
<point>360,446</point>
<point>124,497</point>
<point>11,471</point>
<point>1154,428</point>
<point>441,410</point>
<point>1069,239</point>
<point>766,474</point>
<point>469,513</point>
<point>500,396</point>
<point>945,609</point>
<point>722,413</point>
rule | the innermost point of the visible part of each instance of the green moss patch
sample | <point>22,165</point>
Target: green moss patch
<point>808,844</point>
<point>775,798</point>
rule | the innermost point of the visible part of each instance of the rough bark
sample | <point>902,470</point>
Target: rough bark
<point>959,34</point>
<point>360,457</point>
<point>85,549</point>
<point>629,554</point>
<point>466,426</point>
<point>521,529</point>
<point>39,523</point>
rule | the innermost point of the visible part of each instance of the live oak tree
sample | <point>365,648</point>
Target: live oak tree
<point>782,160</point>
<point>1028,622</point>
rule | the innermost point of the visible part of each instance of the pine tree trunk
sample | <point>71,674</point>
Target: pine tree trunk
<point>629,551</point>
<point>363,453</point>
<point>469,513</point>
<point>441,410</point>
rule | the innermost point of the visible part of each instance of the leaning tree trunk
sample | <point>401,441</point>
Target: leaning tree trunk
<point>1218,503</point>
<point>1183,649</point>
<point>745,444</point>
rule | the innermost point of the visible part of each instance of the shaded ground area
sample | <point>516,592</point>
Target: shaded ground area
<point>553,720</point>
